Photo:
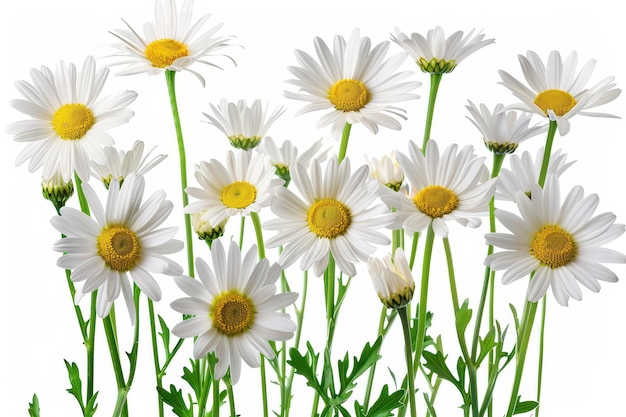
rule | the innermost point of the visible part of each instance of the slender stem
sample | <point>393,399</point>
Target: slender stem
<point>170,77</point>
<point>435,80</point>
<point>155,355</point>
<point>542,329</point>
<point>421,321</point>
<point>231,399</point>
<point>216,398</point>
<point>372,371</point>
<point>546,153</point>
<point>242,228</point>
<point>343,147</point>
<point>110,332</point>
<point>406,330</point>
<point>416,236</point>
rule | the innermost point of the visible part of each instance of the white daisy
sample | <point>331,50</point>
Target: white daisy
<point>204,229</point>
<point>338,214</point>
<point>387,171</point>
<point>443,187</point>
<point>122,238</point>
<point>244,185</point>
<point>120,164</point>
<point>170,43</point>
<point>559,241</point>
<point>557,91</point>
<point>287,155</point>
<point>244,125</point>
<point>236,309</point>
<point>392,279</point>
<point>352,83</point>
<point>502,129</point>
<point>69,119</point>
<point>524,173</point>
<point>437,55</point>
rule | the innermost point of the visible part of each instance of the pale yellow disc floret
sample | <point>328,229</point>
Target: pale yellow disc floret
<point>328,218</point>
<point>72,121</point>
<point>232,313</point>
<point>436,201</point>
<point>119,247</point>
<point>553,246</point>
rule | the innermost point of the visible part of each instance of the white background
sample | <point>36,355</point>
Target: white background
<point>584,358</point>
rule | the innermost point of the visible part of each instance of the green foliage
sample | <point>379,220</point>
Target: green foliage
<point>174,398</point>
<point>383,406</point>
<point>33,407</point>
<point>524,406</point>
<point>436,362</point>
<point>89,408</point>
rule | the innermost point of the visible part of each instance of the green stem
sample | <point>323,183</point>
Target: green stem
<point>546,153</point>
<point>435,80</point>
<point>382,331</point>
<point>216,398</point>
<point>523,338</point>
<point>421,321</point>
<point>542,329</point>
<point>155,356</point>
<point>343,147</point>
<point>242,228</point>
<point>406,330</point>
<point>117,365</point>
<point>416,236</point>
<point>170,77</point>
<point>231,399</point>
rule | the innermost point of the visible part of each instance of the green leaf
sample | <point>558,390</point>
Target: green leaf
<point>383,406</point>
<point>436,362</point>
<point>369,356</point>
<point>515,317</point>
<point>165,335</point>
<point>90,408</point>
<point>306,366</point>
<point>486,344</point>
<point>33,408</point>
<point>174,398</point>
<point>463,317</point>
<point>75,382</point>
<point>524,406</point>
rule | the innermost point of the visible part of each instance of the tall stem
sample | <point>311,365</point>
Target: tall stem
<point>421,321</point>
<point>435,80</point>
<point>343,147</point>
<point>171,88</point>
<point>406,331</point>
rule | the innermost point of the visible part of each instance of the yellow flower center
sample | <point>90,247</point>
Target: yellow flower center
<point>436,201</point>
<point>553,246</point>
<point>349,95</point>
<point>72,121</point>
<point>328,218</point>
<point>232,313</point>
<point>163,52</point>
<point>559,101</point>
<point>238,195</point>
<point>119,247</point>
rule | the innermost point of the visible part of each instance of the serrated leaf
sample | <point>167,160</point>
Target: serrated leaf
<point>463,317</point>
<point>436,362</point>
<point>384,404</point>
<point>75,383</point>
<point>91,407</point>
<point>33,407</point>
<point>524,406</point>
<point>369,356</point>
<point>306,366</point>
<point>193,377</point>
<point>174,398</point>
<point>486,344</point>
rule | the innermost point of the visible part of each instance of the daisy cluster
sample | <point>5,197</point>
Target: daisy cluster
<point>325,213</point>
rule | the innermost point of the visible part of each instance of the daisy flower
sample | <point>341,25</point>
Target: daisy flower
<point>121,239</point>
<point>236,309</point>
<point>392,279</point>
<point>387,171</point>
<point>204,229</point>
<point>244,125</point>
<point>336,215</point>
<point>443,188</point>
<point>559,241</point>
<point>56,190</point>
<point>556,91</point>
<point>120,164</point>
<point>69,119</point>
<point>502,129</point>
<point>437,54</point>
<point>352,83</point>
<point>171,42</point>
<point>524,173</point>
<point>287,155</point>
<point>244,185</point>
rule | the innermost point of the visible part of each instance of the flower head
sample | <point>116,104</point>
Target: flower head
<point>392,279</point>
<point>558,240</point>
<point>443,187</point>
<point>69,119</point>
<point>437,55</point>
<point>556,91</point>
<point>287,155</point>
<point>353,83</point>
<point>171,42</point>
<point>244,185</point>
<point>502,129</point>
<point>524,173</point>
<point>120,164</point>
<point>56,190</point>
<point>204,229</point>
<point>336,215</point>
<point>122,238</point>
<point>235,307</point>
<point>387,171</point>
<point>244,125</point>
